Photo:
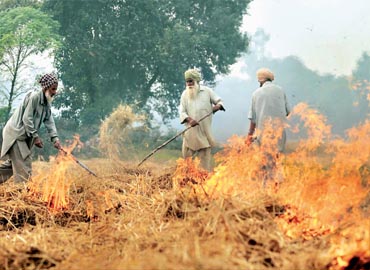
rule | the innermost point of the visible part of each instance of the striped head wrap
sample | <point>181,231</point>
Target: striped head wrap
<point>48,80</point>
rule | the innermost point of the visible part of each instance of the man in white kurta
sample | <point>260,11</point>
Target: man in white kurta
<point>196,102</point>
<point>269,107</point>
<point>268,114</point>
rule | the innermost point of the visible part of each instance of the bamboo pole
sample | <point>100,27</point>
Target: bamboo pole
<point>171,139</point>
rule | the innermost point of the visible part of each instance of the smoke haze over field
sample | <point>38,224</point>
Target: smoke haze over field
<point>332,96</point>
<point>328,35</point>
<point>313,47</point>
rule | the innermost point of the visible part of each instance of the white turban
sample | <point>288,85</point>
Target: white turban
<point>192,74</point>
<point>264,74</point>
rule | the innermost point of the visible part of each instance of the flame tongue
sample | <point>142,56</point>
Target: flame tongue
<point>189,171</point>
<point>53,185</point>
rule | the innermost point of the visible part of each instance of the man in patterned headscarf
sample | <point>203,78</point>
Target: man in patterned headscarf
<point>21,131</point>
<point>196,102</point>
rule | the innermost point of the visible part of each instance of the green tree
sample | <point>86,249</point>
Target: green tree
<point>10,4</point>
<point>136,52</point>
<point>24,31</point>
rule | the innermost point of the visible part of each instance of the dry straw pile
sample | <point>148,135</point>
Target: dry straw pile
<point>114,131</point>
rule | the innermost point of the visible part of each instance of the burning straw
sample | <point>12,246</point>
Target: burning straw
<point>160,218</point>
<point>52,185</point>
<point>317,199</point>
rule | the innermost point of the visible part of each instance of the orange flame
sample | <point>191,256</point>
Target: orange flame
<point>89,209</point>
<point>323,183</point>
<point>53,185</point>
<point>363,87</point>
<point>189,171</point>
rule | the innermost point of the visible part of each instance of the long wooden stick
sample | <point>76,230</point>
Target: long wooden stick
<point>170,140</point>
<point>78,162</point>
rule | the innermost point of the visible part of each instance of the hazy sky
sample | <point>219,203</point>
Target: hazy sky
<point>328,35</point>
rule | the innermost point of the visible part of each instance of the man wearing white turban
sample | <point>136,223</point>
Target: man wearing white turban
<point>196,102</point>
<point>21,131</point>
<point>267,115</point>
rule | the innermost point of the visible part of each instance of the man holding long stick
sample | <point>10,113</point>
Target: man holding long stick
<point>196,102</point>
<point>21,131</point>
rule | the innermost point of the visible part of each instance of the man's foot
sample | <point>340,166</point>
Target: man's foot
<point>7,164</point>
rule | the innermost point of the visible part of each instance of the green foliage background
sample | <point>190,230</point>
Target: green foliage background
<point>135,52</point>
<point>24,31</point>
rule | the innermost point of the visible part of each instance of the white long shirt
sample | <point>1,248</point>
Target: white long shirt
<point>269,102</point>
<point>200,136</point>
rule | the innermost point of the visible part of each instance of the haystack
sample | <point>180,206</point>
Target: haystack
<point>115,129</point>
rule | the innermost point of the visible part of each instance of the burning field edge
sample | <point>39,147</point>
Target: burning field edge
<point>131,218</point>
<point>307,209</point>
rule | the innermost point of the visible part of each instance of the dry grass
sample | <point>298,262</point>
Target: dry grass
<point>161,216</point>
<point>131,218</point>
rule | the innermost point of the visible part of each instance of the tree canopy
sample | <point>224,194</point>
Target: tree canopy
<point>24,31</point>
<point>9,4</point>
<point>136,52</point>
